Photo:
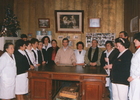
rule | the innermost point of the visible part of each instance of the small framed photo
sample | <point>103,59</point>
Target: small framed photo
<point>134,23</point>
<point>94,22</point>
<point>44,22</point>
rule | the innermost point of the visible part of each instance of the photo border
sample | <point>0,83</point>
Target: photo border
<point>94,22</point>
<point>58,13</point>
<point>44,19</point>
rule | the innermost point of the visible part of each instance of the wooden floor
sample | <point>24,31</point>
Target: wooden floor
<point>26,97</point>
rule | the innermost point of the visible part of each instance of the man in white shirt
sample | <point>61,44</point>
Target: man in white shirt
<point>34,42</point>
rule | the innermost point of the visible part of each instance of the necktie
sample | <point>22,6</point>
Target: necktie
<point>39,57</point>
<point>29,58</point>
<point>45,47</point>
<point>35,55</point>
<point>80,52</point>
<point>11,56</point>
<point>42,55</point>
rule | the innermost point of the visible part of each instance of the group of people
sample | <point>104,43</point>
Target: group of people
<point>123,67</point>
<point>120,64</point>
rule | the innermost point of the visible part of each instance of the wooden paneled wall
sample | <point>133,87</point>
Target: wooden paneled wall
<point>131,10</point>
<point>111,13</point>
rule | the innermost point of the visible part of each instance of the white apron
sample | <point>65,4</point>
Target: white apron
<point>134,92</point>
<point>80,56</point>
<point>7,76</point>
<point>21,84</point>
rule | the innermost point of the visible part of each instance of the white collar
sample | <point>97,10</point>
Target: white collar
<point>108,53</point>
<point>122,53</point>
<point>22,52</point>
<point>34,49</point>
<point>65,48</point>
<point>28,50</point>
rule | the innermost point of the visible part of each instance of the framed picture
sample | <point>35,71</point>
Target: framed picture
<point>94,23</point>
<point>44,22</point>
<point>69,21</point>
<point>134,24</point>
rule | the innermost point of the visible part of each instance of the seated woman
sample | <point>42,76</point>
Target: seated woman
<point>80,53</point>
<point>51,52</point>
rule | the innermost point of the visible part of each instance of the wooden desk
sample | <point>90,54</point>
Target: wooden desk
<point>92,81</point>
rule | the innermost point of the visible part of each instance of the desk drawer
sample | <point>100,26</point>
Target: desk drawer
<point>66,77</point>
<point>92,77</point>
<point>40,75</point>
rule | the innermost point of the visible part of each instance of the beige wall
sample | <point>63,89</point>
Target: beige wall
<point>111,13</point>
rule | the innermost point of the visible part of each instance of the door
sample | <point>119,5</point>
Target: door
<point>40,89</point>
<point>92,89</point>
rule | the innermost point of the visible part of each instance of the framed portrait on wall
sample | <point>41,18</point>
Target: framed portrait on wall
<point>69,21</point>
<point>44,23</point>
<point>134,24</point>
<point>94,22</point>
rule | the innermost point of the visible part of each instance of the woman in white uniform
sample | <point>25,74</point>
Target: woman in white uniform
<point>134,79</point>
<point>80,53</point>
<point>23,65</point>
<point>7,73</point>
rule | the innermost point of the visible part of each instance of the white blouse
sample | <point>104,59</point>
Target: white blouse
<point>46,48</point>
<point>31,56</point>
<point>80,56</point>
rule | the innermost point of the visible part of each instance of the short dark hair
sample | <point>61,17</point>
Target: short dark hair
<point>6,46</point>
<point>27,42</point>
<point>23,36</point>
<point>125,33</point>
<point>94,40</point>
<point>40,42</point>
<point>19,43</point>
<point>34,40</point>
<point>109,42</point>
<point>124,42</point>
<point>44,39</point>
<point>80,42</point>
<point>136,36</point>
<point>116,40</point>
<point>54,41</point>
<point>65,39</point>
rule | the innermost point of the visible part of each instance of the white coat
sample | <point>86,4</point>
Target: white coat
<point>80,56</point>
<point>134,93</point>
<point>49,45</point>
<point>7,76</point>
